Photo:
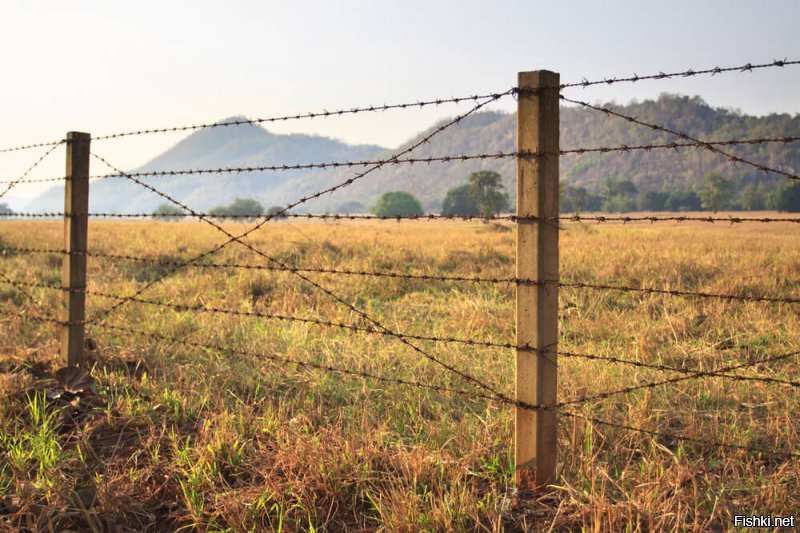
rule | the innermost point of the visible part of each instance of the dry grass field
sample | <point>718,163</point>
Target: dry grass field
<point>199,423</point>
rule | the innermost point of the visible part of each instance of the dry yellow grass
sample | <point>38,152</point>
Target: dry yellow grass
<point>214,439</point>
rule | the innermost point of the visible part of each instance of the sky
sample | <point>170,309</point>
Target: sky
<point>110,66</point>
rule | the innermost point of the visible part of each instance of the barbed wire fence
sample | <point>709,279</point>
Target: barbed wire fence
<point>366,323</point>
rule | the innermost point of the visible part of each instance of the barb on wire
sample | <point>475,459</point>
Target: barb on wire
<point>310,115</point>
<point>749,67</point>
<point>15,182</point>
<point>672,436</point>
<point>694,374</point>
<point>231,238</point>
<point>702,144</point>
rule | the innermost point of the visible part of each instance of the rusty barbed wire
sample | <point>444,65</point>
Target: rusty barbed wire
<point>676,437</point>
<point>311,115</point>
<point>15,182</point>
<point>702,144</point>
<point>749,67</point>
<point>461,374</point>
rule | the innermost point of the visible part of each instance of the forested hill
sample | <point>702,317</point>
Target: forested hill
<point>487,132</point>
<point>657,170</point>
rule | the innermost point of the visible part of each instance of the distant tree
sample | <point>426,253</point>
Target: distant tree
<point>485,187</point>
<point>653,201</point>
<point>5,210</point>
<point>276,211</point>
<point>618,195</point>
<point>682,200</point>
<point>573,199</point>
<point>716,193</point>
<point>751,198</point>
<point>349,208</point>
<point>458,201</point>
<point>169,212</point>
<point>397,204</point>
<point>786,198</point>
<point>246,208</point>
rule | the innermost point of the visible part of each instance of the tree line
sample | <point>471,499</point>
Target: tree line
<point>483,194</point>
<point>717,193</point>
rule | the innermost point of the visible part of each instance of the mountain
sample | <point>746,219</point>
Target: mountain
<point>234,146</point>
<point>485,132</point>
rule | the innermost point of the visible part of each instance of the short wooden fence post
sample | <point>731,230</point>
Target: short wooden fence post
<point>76,228</point>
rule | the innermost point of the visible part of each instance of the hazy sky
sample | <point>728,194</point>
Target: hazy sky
<point>107,66</point>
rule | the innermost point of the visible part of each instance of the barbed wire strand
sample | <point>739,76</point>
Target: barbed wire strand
<point>655,127</point>
<point>311,115</point>
<point>15,182</point>
<point>29,146</point>
<point>749,67</point>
